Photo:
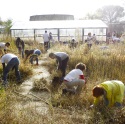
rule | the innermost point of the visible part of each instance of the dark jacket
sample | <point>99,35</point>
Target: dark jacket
<point>20,43</point>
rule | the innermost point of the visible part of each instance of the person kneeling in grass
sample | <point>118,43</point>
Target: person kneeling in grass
<point>75,78</point>
<point>33,55</point>
<point>12,62</point>
<point>112,93</point>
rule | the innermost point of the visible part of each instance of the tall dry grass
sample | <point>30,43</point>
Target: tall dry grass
<point>101,65</point>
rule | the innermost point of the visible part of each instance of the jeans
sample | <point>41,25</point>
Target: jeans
<point>46,45</point>
<point>13,64</point>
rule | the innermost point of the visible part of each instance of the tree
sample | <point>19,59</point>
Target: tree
<point>110,14</point>
<point>1,22</point>
<point>7,25</point>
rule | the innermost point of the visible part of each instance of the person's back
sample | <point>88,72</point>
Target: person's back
<point>7,57</point>
<point>114,92</point>
<point>9,62</point>
<point>46,41</point>
<point>73,74</point>
<point>62,55</point>
<point>114,88</point>
<point>46,37</point>
<point>37,51</point>
<point>62,59</point>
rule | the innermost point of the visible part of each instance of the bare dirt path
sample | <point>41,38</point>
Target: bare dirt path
<point>39,100</point>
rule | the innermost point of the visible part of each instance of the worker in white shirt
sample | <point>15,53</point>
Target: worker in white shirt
<point>75,78</point>
<point>10,61</point>
<point>46,41</point>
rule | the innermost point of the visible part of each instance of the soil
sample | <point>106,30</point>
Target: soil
<point>39,100</point>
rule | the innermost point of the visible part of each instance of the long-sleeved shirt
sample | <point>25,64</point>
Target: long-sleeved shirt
<point>113,92</point>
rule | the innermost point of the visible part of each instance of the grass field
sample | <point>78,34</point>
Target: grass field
<point>102,65</point>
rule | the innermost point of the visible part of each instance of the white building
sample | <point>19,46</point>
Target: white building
<point>62,30</point>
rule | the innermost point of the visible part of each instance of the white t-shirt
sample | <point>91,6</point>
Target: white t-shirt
<point>45,37</point>
<point>7,57</point>
<point>89,39</point>
<point>2,45</point>
<point>74,74</point>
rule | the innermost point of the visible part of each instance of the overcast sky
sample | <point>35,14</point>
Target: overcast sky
<point>21,10</point>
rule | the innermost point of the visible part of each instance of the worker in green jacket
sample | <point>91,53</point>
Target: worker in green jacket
<point>111,93</point>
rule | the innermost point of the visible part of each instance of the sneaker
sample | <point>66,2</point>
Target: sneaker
<point>70,92</point>
<point>64,91</point>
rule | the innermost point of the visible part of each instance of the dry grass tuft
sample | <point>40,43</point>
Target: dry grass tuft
<point>41,84</point>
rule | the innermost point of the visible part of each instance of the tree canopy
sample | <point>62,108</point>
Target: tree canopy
<point>108,14</point>
<point>7,25</point>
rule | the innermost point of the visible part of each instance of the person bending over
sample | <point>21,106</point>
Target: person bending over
<point>10,61</point>
<point>33,55</point>
<point>110,92</point>
<point>62,59</point>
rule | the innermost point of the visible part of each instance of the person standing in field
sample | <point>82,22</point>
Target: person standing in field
<point>62,59</point>
<point>10,61</point>
<point>46,40</point>
<point>51,38</point>
<point>20,46</point>
<point>108,38</point>
<point>3,47</point>
<point>75,78</point>
<point>111,93</point>
<point>33,55</point>
<point>89,40</point>
<point>73,43</point>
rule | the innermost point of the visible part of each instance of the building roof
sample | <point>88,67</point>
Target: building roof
<point>59,24</point>
<point>51,17</point>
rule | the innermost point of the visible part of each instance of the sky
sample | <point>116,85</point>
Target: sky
<point>21,10</point>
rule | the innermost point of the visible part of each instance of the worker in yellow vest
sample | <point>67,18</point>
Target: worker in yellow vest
<point>111,93</point>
